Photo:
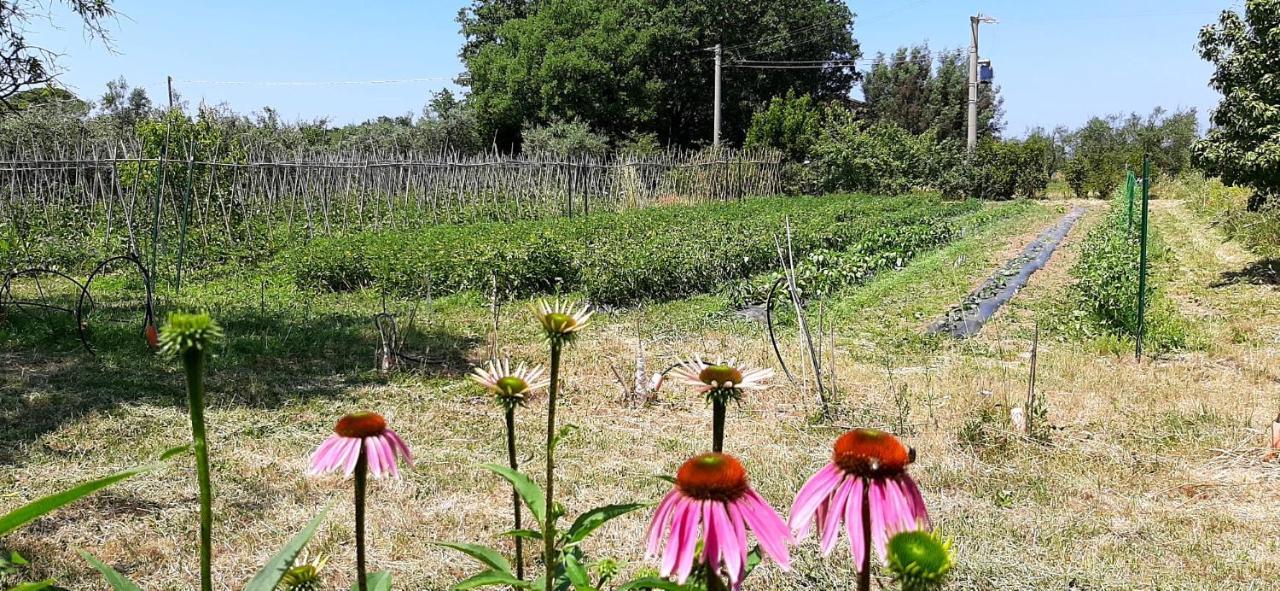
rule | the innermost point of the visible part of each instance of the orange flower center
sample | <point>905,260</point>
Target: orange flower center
<point>871,453</point>
<point>721,376</point>
<point>712,476</point>
<point>361,424</point>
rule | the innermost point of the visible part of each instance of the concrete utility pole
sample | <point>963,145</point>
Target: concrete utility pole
<point>974,22</point>
<point>715,135</point>
<point>169,82</point>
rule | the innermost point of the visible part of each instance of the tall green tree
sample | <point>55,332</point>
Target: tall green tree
<point>1243,145</point>
<point>924,91</point>
<point>25,65</point>
<point>640,66</point>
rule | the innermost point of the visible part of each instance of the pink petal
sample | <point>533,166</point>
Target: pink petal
<point>853,523</point>
<point>830,528</point>
<point>811,497</point>
<point>734,555</point>
<point>373,456</point>
<point>919,513</point>
<point>660,518</point>
<point>674,537</point>
<point>770,530</point>
<point>684,560</point>
<point>400,445</point>
<point>388,455</point>
<point>879,517</point>
<point>711,548</point>
<point>352,452</point>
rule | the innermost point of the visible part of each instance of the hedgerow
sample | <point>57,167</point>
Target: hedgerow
<point>642,255</point>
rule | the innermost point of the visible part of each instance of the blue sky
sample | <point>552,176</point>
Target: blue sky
<point>1056,62</point>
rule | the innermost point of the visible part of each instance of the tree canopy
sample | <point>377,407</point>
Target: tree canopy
<point>641,66</point>
<point>907,90</point>
<point>24,65</point>
<point>1243,145</point>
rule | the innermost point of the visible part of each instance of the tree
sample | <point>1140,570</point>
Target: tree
<point>789,124</point>
<point>23,65</point>
<point>1243,145</point>
<point>123,105</point>
<point>640,66</point>
<point>906,89</point>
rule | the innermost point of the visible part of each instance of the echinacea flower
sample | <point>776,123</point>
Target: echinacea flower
<point>725,379</point>
<point>867,466</point>
<point>511,388</point>
<point>561,320</point>
<point>362,432</point>
<point>713,501</point>
<point>304,575</point>
<point>919,560</point>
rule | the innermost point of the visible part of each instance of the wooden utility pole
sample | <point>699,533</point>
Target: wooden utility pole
<point>715,137</point>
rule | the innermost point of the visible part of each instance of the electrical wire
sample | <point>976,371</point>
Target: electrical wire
<point>315,82</point>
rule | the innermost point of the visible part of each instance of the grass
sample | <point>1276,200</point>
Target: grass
<point>1152,477</point>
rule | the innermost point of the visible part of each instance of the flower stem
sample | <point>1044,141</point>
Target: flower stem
<point>549,528</point>
<point>713,582</point>
<point>515,495</point>
<point>717,424</point>
<point>193,360</point>
<point>362,476</point>
<point>864,573</point>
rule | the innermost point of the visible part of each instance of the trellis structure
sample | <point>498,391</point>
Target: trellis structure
<point>113,199</point>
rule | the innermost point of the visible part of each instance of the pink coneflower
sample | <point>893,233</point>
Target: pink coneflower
<point>342,450</point>
<point>712,496</point>
<point>510,388</point>
<point>721,382</point>
<point>361,443</point>
<point>866,487</point>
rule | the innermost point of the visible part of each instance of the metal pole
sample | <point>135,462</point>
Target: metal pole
<point>1142,255</point>
<point>715,139</point>
<point>973,84</point>
<point>1129,188</point>
<point>169,81</point>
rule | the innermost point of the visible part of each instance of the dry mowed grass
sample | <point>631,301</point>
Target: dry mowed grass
<point>1153,477</point>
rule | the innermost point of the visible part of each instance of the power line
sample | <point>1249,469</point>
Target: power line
<point>315,82</point>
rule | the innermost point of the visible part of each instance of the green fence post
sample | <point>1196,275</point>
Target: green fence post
<point>1129,183</point>
<point>1142,255</point>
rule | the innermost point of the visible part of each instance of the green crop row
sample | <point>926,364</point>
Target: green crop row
<point>641,255</point>
<point>1107,279</point>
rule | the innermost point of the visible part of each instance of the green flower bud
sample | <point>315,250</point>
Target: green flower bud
<point>184,332</point>
<point>919,560</point>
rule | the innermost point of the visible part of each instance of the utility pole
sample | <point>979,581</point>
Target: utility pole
<point>715,136</point>
<point>974,22</point>
<point>169,81</point>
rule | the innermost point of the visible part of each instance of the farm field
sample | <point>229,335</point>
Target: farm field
<point>1152,476</point>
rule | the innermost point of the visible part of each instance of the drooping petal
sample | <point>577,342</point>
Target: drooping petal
<point>811,496</point>
<point>879,525</point>
<point>770,530</point>
<point>711,547</point>
<point>919,512</point>
<point>671,552</point>
<point>830,528</point>
<point>689,539</point>
<point>659,523</point>
<point>853,523</point>
<point>353,452</point>
<point>400,445</point>
<point>734,556</point>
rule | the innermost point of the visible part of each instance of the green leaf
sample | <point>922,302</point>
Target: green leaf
<point>45,585</point>
<point>379,581</point>
<point>486,555</point>
<point>577,574</point>
<point>491,578</point>
<point>528,490</point>
<point>48,504</point>
<point>528,534</point>
<point>593,519</point>
<point>665,478</point>
<point>118,581</point>
<point>651,583</point>
<point>278,565</point>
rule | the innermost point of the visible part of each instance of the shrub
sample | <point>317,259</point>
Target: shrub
<point>789,124</point>
<point>877,158</point>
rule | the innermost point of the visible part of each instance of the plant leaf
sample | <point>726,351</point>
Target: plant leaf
<point>577,574</point>
<point>50,503</point>
<point>491,578</point>
<point>379,581</point>
<point>528,490</point>
<point>651,583</point>
<point>278,565</point>
<point>45,585</point>
<point>118,581</point>
<point>528,534</point>
<point>486,555</point>
<point>593,519</point>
